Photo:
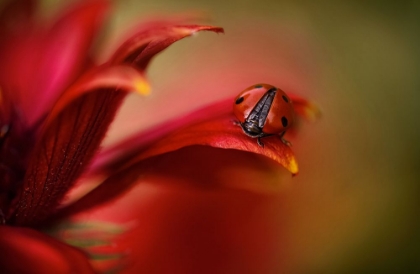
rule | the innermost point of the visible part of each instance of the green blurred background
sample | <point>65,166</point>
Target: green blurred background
<point>354,208</point>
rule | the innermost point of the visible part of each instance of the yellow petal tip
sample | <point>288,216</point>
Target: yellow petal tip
<point>293,166</point>
<point>312,112</point>
<point>142,87</point>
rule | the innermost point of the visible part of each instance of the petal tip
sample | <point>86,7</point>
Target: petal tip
<point>142,87</point>
<point>192,31</point>
<point>293,166</point>
<point>312,112</point>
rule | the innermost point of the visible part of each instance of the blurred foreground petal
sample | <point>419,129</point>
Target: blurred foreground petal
<point>24,250</point>
<point>186,217</point>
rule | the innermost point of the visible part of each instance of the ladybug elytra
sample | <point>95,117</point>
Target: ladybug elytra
<point>264,110</point>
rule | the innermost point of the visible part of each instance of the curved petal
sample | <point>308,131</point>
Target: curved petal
<point>113,77</point>
<point>70,137</point>
<point>143,46</point>
<point>25,250</point>
<point>222,133</point>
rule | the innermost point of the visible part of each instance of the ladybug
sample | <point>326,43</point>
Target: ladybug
<point>264,110</point>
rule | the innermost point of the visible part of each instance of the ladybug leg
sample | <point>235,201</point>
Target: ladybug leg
<point>236,122</point>
<point>261,144</point>
<point>287,143</point>
<point>263,136</point>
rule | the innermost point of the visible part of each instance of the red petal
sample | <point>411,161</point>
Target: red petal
<point>223,133</point>
<point>28,251</point>
<point>121,77</point>
<point>72,135</point>
<point>144,45</point>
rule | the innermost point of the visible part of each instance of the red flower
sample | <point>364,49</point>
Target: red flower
<point>56,107</point>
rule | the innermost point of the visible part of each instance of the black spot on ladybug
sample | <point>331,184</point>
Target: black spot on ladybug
<point>284,121</point>
<point>239,100</point>
<point>258,86</point>
<point>285,99</point>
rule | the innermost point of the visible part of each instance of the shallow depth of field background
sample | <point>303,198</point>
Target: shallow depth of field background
<point>354,207</point>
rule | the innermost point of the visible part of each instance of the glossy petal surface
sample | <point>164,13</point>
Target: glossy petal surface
<point>25,250</point>
<point>223,133</point>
